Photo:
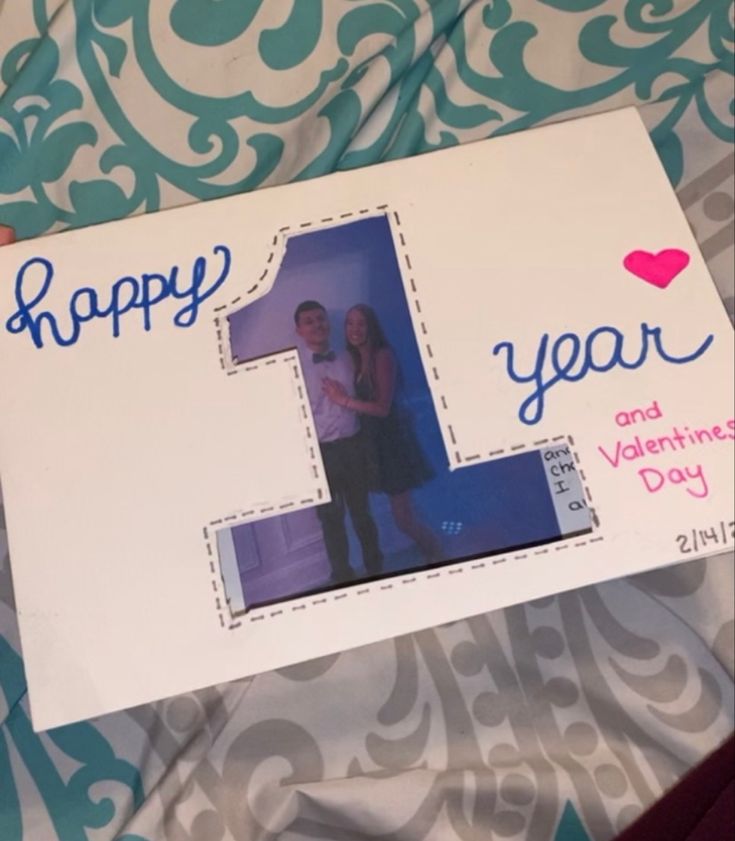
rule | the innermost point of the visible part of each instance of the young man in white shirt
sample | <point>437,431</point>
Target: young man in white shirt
<point>343,451</point>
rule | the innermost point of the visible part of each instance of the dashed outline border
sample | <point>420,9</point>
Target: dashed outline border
<point>231,369</point>
<point>433,369</point>
<point>274,611</point>
<point>221,312</point>
<point>247,515</point>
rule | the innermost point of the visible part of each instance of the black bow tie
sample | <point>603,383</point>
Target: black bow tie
<point>329,356</point>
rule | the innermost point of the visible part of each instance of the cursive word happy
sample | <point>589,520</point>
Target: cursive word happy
<point>126,295</point>
<point>570,358</point>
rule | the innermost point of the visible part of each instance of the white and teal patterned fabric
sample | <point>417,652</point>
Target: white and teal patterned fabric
<point>559,720</point>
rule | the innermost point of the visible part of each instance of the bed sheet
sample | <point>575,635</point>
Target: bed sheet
<point>560,719</point>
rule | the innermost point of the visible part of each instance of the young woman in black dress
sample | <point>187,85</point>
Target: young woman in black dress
<point>401,465</point>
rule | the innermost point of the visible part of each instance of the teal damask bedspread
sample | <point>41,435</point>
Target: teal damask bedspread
<point>561,719</point>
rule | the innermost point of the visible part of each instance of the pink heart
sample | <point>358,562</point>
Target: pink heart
<point>658,269</point>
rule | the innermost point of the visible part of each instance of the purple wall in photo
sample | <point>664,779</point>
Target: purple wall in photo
<point>280,555</point>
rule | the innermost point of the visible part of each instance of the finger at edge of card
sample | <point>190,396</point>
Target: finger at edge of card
<point>7,235</point>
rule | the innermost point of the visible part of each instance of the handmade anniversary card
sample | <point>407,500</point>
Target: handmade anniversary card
<point>246,433</point>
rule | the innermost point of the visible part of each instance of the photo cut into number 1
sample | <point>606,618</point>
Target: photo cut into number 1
<point>339,302</point>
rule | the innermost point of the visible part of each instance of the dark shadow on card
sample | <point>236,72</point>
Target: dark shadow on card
<point>330,588</point>
<point>254,359</point>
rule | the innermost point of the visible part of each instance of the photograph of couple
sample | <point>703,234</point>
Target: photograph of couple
<point>338,297</point>
<point>367,442</point>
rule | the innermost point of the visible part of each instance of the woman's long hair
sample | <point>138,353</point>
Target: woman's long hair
<point>376,340</point>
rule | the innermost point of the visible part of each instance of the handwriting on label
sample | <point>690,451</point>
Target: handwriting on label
<point>126,295</point>
<point>570,358</point>
<point>560,466</point>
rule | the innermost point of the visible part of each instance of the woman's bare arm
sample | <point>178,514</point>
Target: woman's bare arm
<point>385,388</point>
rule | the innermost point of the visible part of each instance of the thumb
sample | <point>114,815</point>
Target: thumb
<point>7,235</point>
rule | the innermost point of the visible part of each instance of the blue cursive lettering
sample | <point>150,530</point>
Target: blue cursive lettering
<point>603,351</point>
<point>34,278</point>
